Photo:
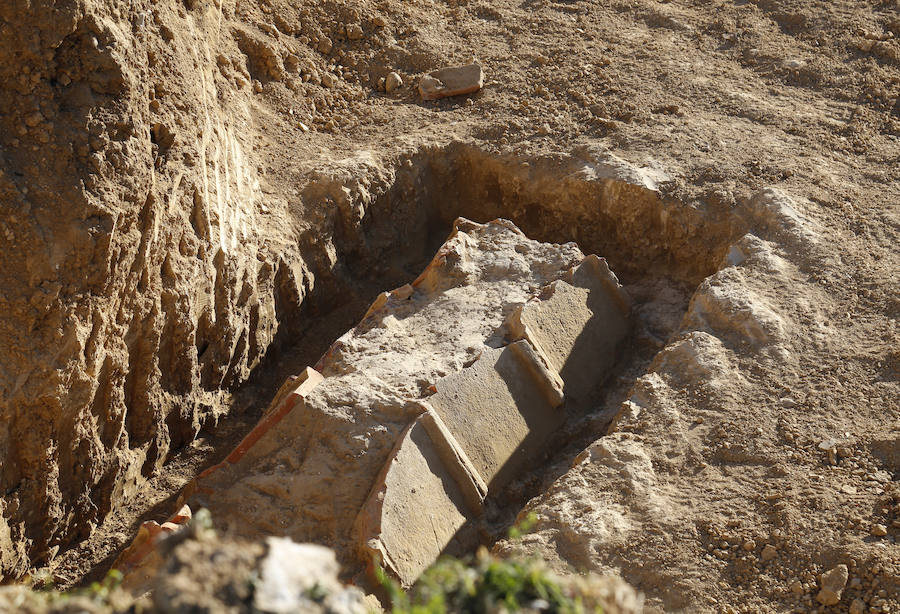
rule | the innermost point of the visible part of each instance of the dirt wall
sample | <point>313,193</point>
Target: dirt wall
<point>137,286</point>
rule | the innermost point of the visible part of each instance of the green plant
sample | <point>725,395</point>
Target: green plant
<point>522,527</point>
<point>486,585</point>
<point>101,591</point>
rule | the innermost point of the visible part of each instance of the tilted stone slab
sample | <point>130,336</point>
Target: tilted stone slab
<point>416,507</point>
<point>289,395</point>
<point>578,324</point>
<point>500,410</point>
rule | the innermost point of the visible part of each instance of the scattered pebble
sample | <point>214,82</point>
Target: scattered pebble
<point>33,119</point>
<point>392,82</point>
<point>354,32</point>
<point>768,552</point>
<point>879,530</point>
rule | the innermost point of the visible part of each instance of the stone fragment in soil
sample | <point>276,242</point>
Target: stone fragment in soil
<point>452,81</point>
<point>392,82</point>
<point>833,583</point>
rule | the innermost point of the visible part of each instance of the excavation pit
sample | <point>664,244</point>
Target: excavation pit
<point>385,227</point>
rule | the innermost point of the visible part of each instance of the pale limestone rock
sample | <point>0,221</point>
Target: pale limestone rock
<point>452,81</point>
<point>392,82</point>
<point>833,583</point>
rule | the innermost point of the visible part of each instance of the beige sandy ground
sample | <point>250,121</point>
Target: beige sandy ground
<point>194,195</point>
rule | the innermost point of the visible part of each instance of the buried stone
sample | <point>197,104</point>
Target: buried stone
<point>447,389</point>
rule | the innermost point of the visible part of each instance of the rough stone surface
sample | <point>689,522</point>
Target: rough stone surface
<point>302,578</point>
<point>452,81</point>
<point>833,583</point>
<point>309,476</point>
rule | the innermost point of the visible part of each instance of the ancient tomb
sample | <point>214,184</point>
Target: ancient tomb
<point>445,391</point>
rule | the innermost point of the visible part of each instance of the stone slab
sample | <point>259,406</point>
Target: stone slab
<point>452,81</point>
<point>498,411</point>
<point>578,325</point>
<point>290,394</point>
<point>302,385</point>
<point>415,509</point>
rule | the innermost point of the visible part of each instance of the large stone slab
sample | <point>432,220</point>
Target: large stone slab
<point>500,410</point>
<point>365,455</point>
<point>415,508</point>
<point>578,324</point>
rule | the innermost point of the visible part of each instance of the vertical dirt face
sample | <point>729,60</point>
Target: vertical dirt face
<point>135,286</point>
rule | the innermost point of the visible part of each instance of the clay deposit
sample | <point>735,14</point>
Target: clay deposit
<point>198,198</point>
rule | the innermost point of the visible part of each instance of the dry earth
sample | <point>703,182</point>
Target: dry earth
<point>197,197</point>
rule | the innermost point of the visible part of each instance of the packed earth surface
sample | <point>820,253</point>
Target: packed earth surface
<point>199,197</point>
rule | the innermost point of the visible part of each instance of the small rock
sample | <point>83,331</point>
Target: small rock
<point>392,82</point>
<point>833,583</point>
<point>749,545</point>
<point>324,45</point>
<point>827,444</point>
<point>33,119</point>
<point>453,81</point>
<point>879,530</point>
<point>378,21</point>
<point>354,32</point>
<point>328,80</point>
<point>797,587</point>
<point>768,552</point>
<point>857,606</point>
